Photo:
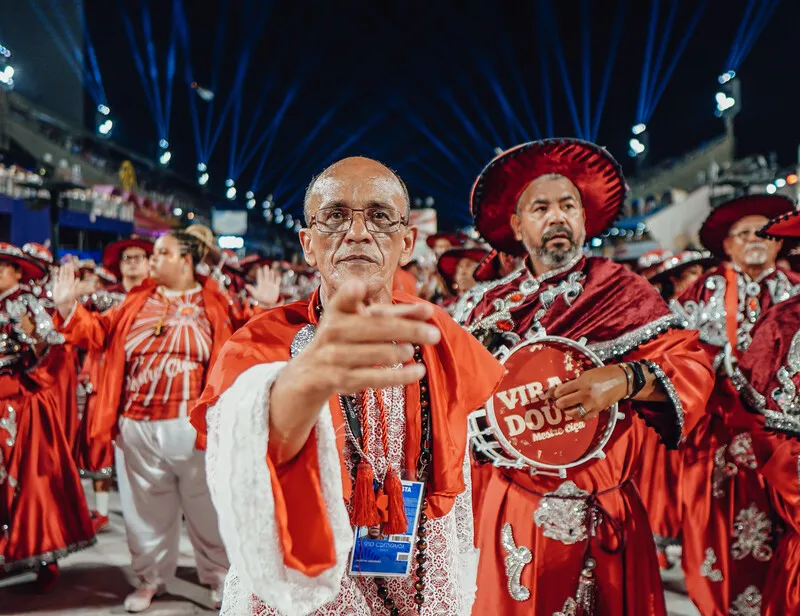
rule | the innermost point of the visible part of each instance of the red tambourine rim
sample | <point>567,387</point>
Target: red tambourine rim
<point>512,451</point>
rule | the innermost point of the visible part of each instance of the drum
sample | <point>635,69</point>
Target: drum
<point>520,428</point>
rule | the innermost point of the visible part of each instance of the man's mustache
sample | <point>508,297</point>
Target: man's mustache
<point>756,246</point>
<point>558,229</point>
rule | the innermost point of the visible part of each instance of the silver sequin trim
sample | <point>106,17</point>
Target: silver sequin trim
<point>708,318</point>
<point>618,347</point>
<point>47,557</point>
<point>752,530</point>
<point>302,339</point>
<point>570,608</point>
<point>669,389</point>
<point>748,603</point>
<point>9,424</point>
<point>515,562</point>
<point>562,514</point>
<point>103,473</point>
<point>3,471</point>
<point>707,567</point>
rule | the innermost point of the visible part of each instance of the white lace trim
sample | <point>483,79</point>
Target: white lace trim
<point>239,481</point>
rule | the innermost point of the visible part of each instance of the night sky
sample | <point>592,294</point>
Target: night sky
<point>388,75</point>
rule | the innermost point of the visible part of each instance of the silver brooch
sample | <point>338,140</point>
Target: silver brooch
<point>516,560</point>
<point>562,514</point>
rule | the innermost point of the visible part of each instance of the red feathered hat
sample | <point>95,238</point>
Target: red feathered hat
<point>449,261</point>
<point>112,255</point>
<point>31,270</point>
<point>595,173</point>
<point>719,222</point>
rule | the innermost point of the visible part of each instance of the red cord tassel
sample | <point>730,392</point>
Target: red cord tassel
<point>365,510</point>
<point>398,523</point>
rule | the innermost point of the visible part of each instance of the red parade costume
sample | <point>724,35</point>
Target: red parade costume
<point>720,485</point>
<point>266,534</point>
<point>581,544</point>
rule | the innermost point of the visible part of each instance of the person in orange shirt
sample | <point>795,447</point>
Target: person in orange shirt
<point>158,346</point>
<point>316,411</point>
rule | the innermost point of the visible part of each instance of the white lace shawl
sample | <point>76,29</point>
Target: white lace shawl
<point>259,584</point>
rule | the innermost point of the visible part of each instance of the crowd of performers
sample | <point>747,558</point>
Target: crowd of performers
<point>276,407</point>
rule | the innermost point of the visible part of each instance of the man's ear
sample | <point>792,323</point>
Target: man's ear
<point>516,227</point>
<point>409,241</point>
<point>307,243</point>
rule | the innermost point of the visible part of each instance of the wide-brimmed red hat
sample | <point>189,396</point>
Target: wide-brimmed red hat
<point>648,263</point>
<point>675,265</point>
<point>785,226</point>
<point>112,255</point>
<point>255,259</point>
<point>449,261</point>
<point>455,239</point>
<point>717,225</point>
<point>595,173</point>
<point>39,253</point>
<point>31,270</point>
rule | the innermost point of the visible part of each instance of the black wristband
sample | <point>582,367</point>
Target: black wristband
<point>639,380</point>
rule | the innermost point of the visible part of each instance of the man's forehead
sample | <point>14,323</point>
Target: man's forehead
<point>547,185</point>
<point>356,187</point>
<point>754,220</point>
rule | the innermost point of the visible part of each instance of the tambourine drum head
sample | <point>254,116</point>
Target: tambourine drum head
<point>528,421</point>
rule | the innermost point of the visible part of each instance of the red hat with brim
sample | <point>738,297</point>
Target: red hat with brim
<point>449,261</point>
<point>455,239</point>
<point>30,269</point>
<point>717,225</point>
<point>112,255</point>
<point>595,173</point>
<point>675,265</point>
<point>785,226</point>
<point>255,259</point>
<point>105,274</point>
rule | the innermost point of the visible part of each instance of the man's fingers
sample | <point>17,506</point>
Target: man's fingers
<point>349,299</point>
<point>356,329</point>
<point>570,400</point>
<point>566,388</point>
<point>355,356</point>
<point>575,413</point>
<point>378,378</point>
<point>420,312</point>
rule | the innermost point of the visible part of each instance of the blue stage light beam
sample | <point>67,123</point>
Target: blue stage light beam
<point>262,101</point>
<point>137,58</point>
<point>469,127</point>
<point>219,41</point>
<point>171,64</point>
<point>429,170</point>
<point>555,38</point>
<point>730,64</point>
<point>759,24</point>
<point>666,34</point>
<point>544,65</point>
<point>523,92</point>
<point>516,130</point>
<point>676,58</point>
<point>641,109</point>
<point>98,78</point>
<point>150,47</point>
<point>188,71</point>
<point>586,68</point>
<point>616,35</point>
<point>268,136</point>
<point>435,141</point>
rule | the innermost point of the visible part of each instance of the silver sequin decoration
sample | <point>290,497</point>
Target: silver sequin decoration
<point>707,567</point>
<point>752,530</point>
<point>9,424</point>
<point>570,608</point>
<point>562,514</point>
<point>741,450</point>
<point>748,603</point>
<point>708,318</point>
<point>302,339</point>
<point>618,347</point>
<point>3,471</point>
<point>515,562</point>
<point>669,389</point>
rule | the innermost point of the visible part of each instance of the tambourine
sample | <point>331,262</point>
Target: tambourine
<point>521,428</point>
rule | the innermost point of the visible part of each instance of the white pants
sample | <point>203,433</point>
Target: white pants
<point>161,476</point>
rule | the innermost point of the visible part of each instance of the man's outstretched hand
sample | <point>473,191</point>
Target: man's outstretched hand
<point>355,348</point>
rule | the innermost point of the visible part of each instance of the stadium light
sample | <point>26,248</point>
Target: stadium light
<point>251,203</point>
<point>728,96</point>
<point>202,179</point>
<point>780,183</point>
<point>771,189</point>
<point>177,211</point>
<point>231,193</point>
<point>6,70</point>
<point>640,142</point>
<point>726,77</point>
<point>164,155</point>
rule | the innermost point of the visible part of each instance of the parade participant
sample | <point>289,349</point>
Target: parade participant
<point>649,262</point>
<point>291,474</point>
<point>579,544</point>
<point>659,478</point>
<point>767,379</point>
<point>128,259</point>
<point>158,345</point>
<point>677,273</point>
<point>43,514</point>
<point>457,267</point>
<point>720,488</point>
<point>443,241</point>
<point>496,265</point>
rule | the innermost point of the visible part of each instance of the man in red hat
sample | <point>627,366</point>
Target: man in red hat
<point>457,268</point>
<point>721,489</point>
<point>767,379</point>
<point>314,404</point>
<point>128,259</point>
<point>158,346</point>
<point>578,543</point>
<point>43,513</point>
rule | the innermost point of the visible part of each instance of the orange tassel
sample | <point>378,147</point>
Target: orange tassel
<point>365,510</point>
<point>398,523</point>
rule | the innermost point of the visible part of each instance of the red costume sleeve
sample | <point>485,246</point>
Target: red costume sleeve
<point>689,382</point>
<point>85,329</point>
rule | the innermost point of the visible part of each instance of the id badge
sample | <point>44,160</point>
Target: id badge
<point>377,555</point>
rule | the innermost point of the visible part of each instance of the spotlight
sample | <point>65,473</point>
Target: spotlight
<point>780,183</point>
<point>637,147</point>
<point>104,129</point>
<point>202,179</point>
<point>177,211</point>
<point>640,142</point>
<point>165,157</point>
<point>728,97</point>
<point>231,193</point>
<point>726,77</point>
<point>251,203</point>
<point>639,128</point>
<point>103,109</point>
<point>266,204</point>
<point>163,144</point>
<point>229,182</point>
<point>298,225</point>
<point>771,189</point>
<point>202,167</point>
<point>249,194</point>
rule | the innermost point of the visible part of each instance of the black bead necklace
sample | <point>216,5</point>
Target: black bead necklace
<point>423,462</point>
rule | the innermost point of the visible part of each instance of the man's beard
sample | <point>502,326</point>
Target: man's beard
<point>555,257</point>
<point>755,255</point>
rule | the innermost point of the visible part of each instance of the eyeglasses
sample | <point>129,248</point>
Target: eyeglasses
<point>745,233</point>
<point>133,258</point>
<point>339,219</point>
